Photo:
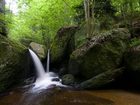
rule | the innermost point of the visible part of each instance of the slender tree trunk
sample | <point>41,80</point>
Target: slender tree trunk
<point>2,20</point>
<point>92,17</point>
<point>87,8</point>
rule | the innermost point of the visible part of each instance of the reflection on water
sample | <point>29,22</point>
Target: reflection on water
<point>59,96</point>
<point>76,98</point>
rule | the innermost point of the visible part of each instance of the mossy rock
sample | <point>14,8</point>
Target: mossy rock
<point>12,63</point>
<point>68,79</point>
<point>132,65</point>
<point>102,53</point>
<point>39,49</point>
<point>63,44</point>
<point>101,79</point>
<point>132,58</point>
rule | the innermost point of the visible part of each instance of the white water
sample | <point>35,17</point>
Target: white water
<point>48,60</point>
<point>45,79</point>
<point>38,64</point>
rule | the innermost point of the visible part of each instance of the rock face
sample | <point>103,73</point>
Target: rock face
<point>132,58</point>
<point>12,63</point>
<point>132,64</point>
<point>63,44</point>
<point>102,53</point>
<point>38,49</point>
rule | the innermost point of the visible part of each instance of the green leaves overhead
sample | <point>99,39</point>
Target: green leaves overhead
<point>42,18</point>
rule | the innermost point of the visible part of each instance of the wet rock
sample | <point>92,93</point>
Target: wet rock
<point>102,53</point>
<point>13,63</point>
<point>63,45</point>
<point>101,79</point>
<point>29,80</point>
<point>38,49</point>
<point>68,79</point>
<point>55,79</point>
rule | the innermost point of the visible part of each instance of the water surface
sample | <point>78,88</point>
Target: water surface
<point>59,96</point>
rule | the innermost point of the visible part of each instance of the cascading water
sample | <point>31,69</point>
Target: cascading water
<point>38,64</point>
<point>44,79</point>
<point>48,60</point>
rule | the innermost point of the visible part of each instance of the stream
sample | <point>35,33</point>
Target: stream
<point>63,96</point>
<point>48,90</point>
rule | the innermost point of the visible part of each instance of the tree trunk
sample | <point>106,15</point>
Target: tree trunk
<point>87,8</point>
<point>2,18</point>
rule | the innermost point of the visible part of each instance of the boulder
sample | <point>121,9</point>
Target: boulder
<point>132,59</point>
<point>62,45</point>
<point>132,65</point>
<point>101,79</point>
<point>13,58</point>
<point>38,49</point>
<point>102,53</point>
<point>136,27</point>
<point>68,79</point>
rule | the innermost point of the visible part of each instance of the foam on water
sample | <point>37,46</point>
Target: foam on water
<point>47,82</point>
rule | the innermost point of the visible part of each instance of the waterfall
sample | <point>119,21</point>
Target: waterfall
<point>48,60</point>
<point>38,65</point>
<point>45,79</point>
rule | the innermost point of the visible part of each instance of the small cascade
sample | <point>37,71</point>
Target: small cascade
<point>45,79</point>
<point>38,64</point>
<point>48,61</point>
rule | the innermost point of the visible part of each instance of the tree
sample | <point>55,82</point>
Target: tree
<point>42,21</point>
<point>2,18</point>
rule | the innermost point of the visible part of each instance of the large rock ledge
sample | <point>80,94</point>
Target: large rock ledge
<point>96,63</point>
<point>102,53</point>
<point>63,45</point>
<point>101,79</point>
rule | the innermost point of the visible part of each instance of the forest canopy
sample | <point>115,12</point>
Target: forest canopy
<point>40,19</point>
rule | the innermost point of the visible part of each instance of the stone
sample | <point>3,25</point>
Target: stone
<point>13,63</point>
<point>101,79</point>
<point>62,45</point>
<point>38,49</point>
<point>68,79</point>
<point>132,65</point>
<point>102,53</point>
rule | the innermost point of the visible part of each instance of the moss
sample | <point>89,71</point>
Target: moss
<point>101,79</point>
<point>135,42</point>
<point>12,63</point>
<point>104,57</point>
<point>132,59</point>
<point>100,54</point>
<point>63,44</point>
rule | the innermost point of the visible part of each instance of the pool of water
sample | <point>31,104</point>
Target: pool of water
<point>62,96</point>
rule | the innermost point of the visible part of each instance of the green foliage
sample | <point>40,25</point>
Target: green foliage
<point>41,19</point>
<point>135,42</point>
<point>101,9</point>
<point>126,6</point>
